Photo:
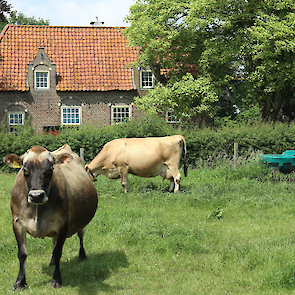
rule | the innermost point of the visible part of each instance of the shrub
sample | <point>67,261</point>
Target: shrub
<point>202,143</point>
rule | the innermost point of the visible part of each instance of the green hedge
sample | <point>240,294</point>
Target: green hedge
<point>91,138</point>
<point>267,138</point>
<point>201,142</point>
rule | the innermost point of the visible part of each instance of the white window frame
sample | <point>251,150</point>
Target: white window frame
<point>171,119</point>
<point>115,119</point>
<point>15,120</point>
<point>48,81</point>
<point>73,117</point>
<point>144,82</point>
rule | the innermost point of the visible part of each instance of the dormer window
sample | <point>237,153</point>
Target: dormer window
<point>146,79</point>
<point>42,80</point>
<point>41,72</point>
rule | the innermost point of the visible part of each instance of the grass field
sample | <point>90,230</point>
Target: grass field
<point>229,231</point>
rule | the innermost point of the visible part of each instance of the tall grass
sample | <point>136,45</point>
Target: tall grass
<point>227,231</point>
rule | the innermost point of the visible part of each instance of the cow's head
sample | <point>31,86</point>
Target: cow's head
<point>37,168</point>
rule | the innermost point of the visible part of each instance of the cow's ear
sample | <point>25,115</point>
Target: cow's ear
<point>13,160</point>
<point>63,158</point>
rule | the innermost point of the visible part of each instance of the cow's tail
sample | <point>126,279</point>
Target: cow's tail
<point>184,150</point>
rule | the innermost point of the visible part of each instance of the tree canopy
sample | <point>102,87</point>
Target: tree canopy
<point>9,16</point>
<point>5,11</point>
<point>186,97</point>
<point>246,47</point>
<point>18,18</point>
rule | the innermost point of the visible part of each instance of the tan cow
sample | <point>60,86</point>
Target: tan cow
<point>145,157</point>
<point>53,197</point>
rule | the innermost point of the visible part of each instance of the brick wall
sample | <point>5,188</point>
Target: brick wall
<point>44,106</point>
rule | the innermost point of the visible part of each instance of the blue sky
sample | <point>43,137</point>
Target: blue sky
<point>75,13</point>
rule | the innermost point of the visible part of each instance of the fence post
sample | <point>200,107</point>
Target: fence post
<point>236,146</point>
<point>82,153</point>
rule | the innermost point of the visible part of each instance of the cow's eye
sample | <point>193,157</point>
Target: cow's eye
<point>49,171</point>
<point>26,172</point>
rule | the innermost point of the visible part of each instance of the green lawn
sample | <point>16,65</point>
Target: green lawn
<point>151,242</point>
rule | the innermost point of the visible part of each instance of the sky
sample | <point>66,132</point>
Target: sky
<point>74,12</point>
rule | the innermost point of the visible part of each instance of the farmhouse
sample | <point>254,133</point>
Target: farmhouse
<point>57,76</point>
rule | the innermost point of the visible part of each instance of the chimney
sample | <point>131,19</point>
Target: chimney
<point>97,23</point>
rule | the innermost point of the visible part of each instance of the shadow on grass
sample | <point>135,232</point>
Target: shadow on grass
<point>89,275</point>
<point>287,281</point>
<point>144,186</point>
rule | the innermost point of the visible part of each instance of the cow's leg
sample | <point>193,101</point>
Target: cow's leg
<point>124,178</point>
<point>82,253</point>
<point>172,185</point>
<point>174,176</point>
<point>177,179</point>
<point>20,235</point>
<point>168,175</point>
<point>52,262</point>
<point>57,252</point>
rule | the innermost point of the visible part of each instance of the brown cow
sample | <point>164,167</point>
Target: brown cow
<point>53,197</point>
<point>145,157</point>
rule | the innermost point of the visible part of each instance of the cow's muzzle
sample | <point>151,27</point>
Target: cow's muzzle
<point>37,197</point>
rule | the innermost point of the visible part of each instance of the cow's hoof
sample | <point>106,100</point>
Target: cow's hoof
<point>19,285</point>
<point>81,258</point>
<point>82,255</point>
<point>55,284</point>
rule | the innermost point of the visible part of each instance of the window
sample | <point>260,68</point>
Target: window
<point>16,119</point>
<point>147,79</point>
<point>171,118</point>
<point>121,114</point>
<point>71,115</point>
<point>41,80</point>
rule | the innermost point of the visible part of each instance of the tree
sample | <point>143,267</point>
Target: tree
<point>186,97</point>
<point>245,46</point>
<point>5,10</point>
<point>18,18</point>
<point>271,68</point>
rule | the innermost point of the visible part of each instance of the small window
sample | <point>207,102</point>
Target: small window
<point>42,80</point>
<point>71,115</point>
<point>171,118</point>
<point>147,79</point>
<point>16,119</point>
<point>121,114</point>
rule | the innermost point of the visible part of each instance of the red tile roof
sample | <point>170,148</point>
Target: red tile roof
<point>86,58</point>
